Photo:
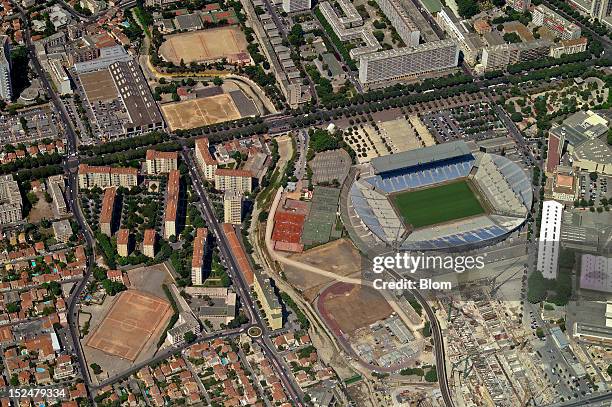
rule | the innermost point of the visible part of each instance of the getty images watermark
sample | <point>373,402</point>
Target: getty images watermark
<point>401,263</point>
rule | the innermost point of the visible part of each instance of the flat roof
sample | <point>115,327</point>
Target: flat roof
<point>423,155</point>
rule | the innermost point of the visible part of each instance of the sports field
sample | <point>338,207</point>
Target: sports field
<point>204,45</point>
<point>438,204</point>
<point>189,114</point>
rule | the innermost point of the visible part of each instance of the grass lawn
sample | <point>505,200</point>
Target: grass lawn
<point>438,204</point>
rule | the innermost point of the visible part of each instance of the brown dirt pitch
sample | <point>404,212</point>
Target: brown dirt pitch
<point>204,45</point>
<point>194,113</point>
<point>348,307</point>
<point>132,320</point>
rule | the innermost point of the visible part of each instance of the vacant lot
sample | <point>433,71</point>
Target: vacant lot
<point>339,257</point>
<point>132,321</point>
<point>200,112</point>
<point>348,307</point>
<point>205,45</point>
<point>438,204</point>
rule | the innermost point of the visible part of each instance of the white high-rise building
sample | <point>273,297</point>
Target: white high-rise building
<point>232,207</point>
<point>291,6</point>
<point>550,236</point>
<point>410,61</point>
<point>400,20</point>
<point>6,88</point>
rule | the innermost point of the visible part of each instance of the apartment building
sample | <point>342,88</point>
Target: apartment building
<point>519,5</point>
<point>105,177</point>
<point>197,260</point>
<point>55,186</point>
<point>408,62</point>
<point>500,56</point>
<point>161,162</point>
<point>148,244</point>
<point>264,289</point>
<point>60,77</point>
<point>400,20</point>
<point>172,201</point>
<point>107,213</point>
<point>6,87</point>
<point>350,28</point>
<point>10,200</point>
<point>233,180</point>
<point>558,25</point>
<point>469,43</point>
<point>62,231</point>
<point>238,253</point>
<point>123,242</point>
<point>291,6</point>
<point>207,164</point>
<point>568,47</point>
<point>232,207</point>
<point>550,235</point>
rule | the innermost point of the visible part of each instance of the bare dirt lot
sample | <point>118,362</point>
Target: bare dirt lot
<point>204,45</point>
<point>339,256</point>
<point>341,303</point>
<point>134,318</point>
<point>190,114</point>
<point>41,210</point>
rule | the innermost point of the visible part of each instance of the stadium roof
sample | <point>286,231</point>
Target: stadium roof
<point>421,156</point>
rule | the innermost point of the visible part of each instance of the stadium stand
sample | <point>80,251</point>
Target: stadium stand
<point>502,183</point>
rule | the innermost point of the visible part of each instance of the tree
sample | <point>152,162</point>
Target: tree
<point>96,368</point>
<point>539,332</point>
<point>593,176</point>
<point>516,117</point>
<point>432,375</point>
<point>467,8</point>
<point>609,370</point>
<point>217,81</point>
<point>190,337</point>
<point>296,35</point>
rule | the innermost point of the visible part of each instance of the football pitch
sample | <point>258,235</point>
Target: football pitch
<point>438,204</point>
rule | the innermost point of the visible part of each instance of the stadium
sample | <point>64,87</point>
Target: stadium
<point>442,197</point>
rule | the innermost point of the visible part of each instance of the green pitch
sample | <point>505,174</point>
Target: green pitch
<point>438,204</point>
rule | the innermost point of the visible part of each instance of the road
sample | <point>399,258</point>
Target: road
<point>241,286</point>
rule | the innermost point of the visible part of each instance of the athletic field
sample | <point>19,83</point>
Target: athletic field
<point>438,204</point>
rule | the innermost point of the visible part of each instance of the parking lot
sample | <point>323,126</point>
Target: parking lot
<point>475,122</point>
<point>594,189</point>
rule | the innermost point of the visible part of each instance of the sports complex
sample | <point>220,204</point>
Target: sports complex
<point>442,197</point>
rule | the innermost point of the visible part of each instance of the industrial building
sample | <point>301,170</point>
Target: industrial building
<point>550,237</point>
<point>408,62</point>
